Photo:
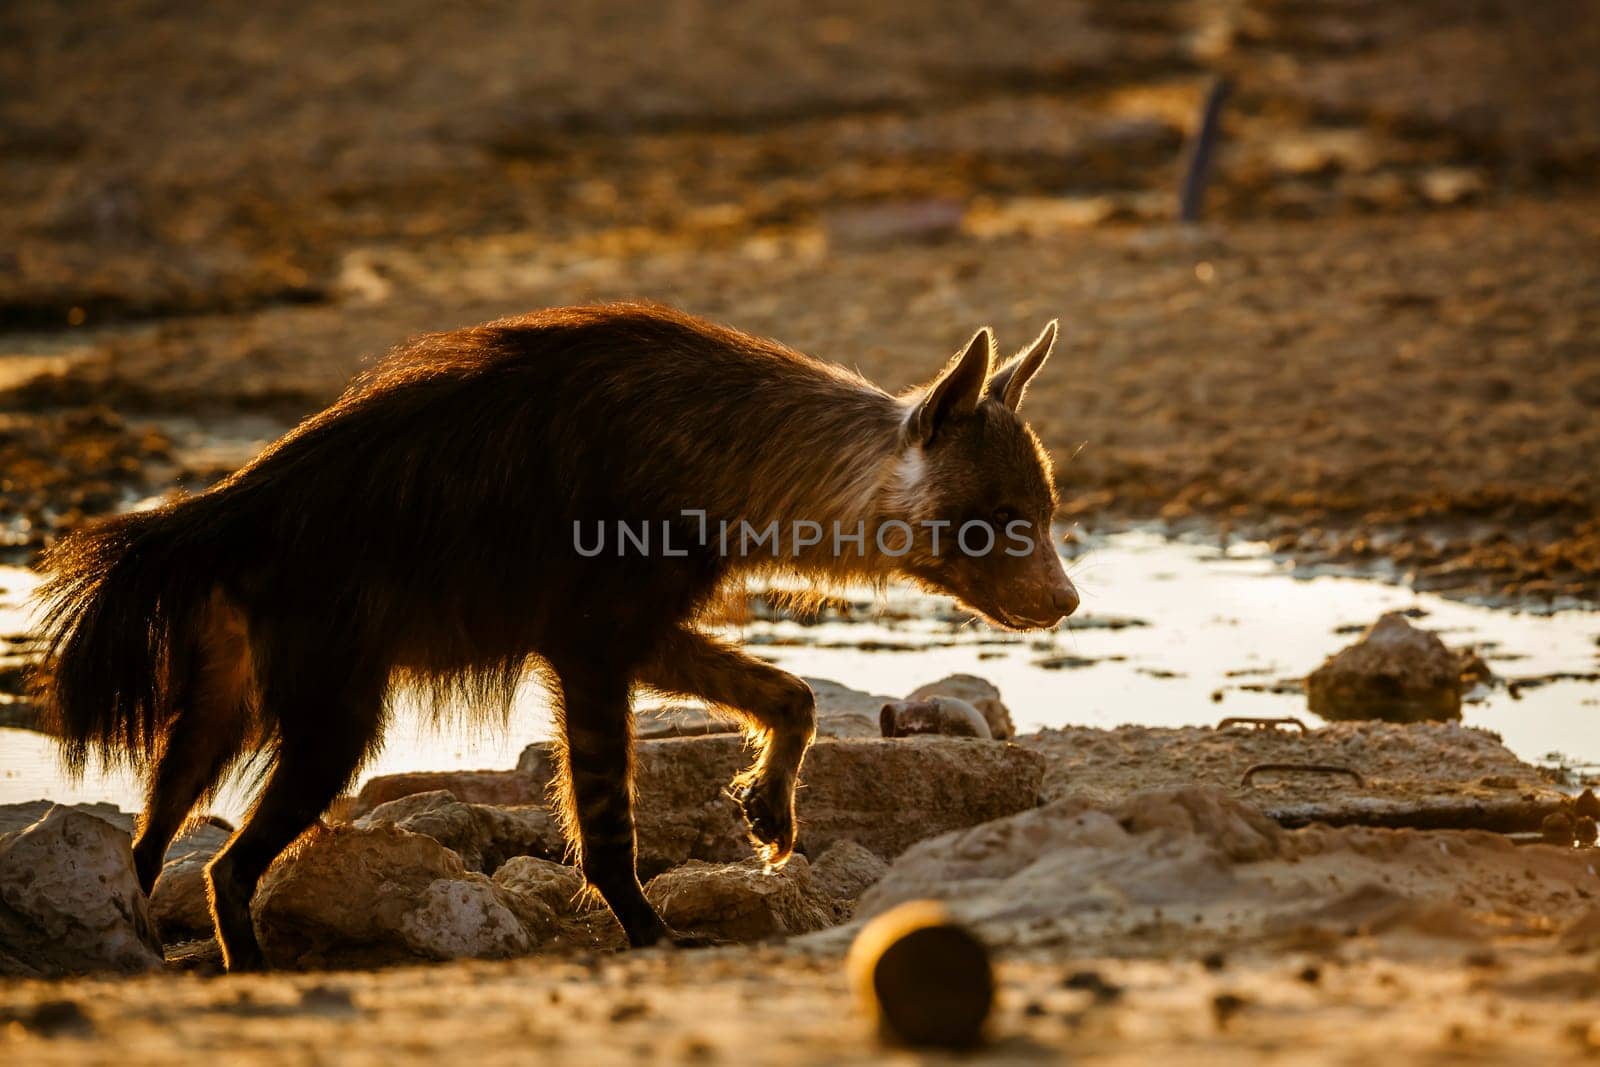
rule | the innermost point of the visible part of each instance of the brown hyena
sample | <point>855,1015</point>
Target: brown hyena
<point>437,527</point>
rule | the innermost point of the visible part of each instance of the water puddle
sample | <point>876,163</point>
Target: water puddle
<point>1170,634</point>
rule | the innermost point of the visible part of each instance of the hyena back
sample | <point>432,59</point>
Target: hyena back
<point>425,530</point>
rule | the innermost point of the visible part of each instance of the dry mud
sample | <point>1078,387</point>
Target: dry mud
<point>1422,771</point>
<point>1398,274</point>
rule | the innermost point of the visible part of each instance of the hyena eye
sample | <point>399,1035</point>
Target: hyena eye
<point>1004,517</point>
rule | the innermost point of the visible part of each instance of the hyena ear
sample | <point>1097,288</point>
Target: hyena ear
<point>1011,380</point>
<point>958,388</point>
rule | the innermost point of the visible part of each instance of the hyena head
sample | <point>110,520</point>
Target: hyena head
<point>974,484</point>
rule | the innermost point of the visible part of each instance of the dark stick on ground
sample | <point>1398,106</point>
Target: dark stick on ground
<point>1300,768</point>
<point>1197,170</point>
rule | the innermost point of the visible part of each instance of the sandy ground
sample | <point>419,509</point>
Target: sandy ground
<point>764,1007</point>
<point>1171,926</point>
<point>1134,915</point>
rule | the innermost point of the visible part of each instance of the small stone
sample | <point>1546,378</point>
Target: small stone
<point>1586,803</point>
<point>926,980</point>
<point>179,904</point>
<point>980,693</point>
<point>1395,672</point>
<point>933,715</point>
<point>742,901</point>
<point>540,893</point>
<point>1558,828</point>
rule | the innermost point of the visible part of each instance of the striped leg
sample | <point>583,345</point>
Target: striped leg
<point>595,794</point>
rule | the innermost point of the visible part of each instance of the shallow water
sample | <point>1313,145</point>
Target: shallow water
<point>1166,627</point>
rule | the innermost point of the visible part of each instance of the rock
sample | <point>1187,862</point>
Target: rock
<point>1196,871</point>
<point>1394,672</point>
<point>540,893</point>
<point>933,715</point>
<point>847,870</point>
<point>1433,768</point>
<point>1558,829</point>
<point>888,795</point>
<point>680,720</point>
<point>179,904</point>
<point>925,980</point>
<point>351,896</point>
<point>743,901</point>
<point>483,835</point>
<point>884,795</point>
<point>70,902</point>
<point>15,817</point>
<point>845,712</point>
<point>471,787</point>
<point>1586,804</point>
<point>980,693</point>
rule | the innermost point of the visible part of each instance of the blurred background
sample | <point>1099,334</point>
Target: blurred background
<point>1378,343</point>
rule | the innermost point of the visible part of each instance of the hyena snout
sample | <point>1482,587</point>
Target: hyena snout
<point>1047,604</point>
<point>1064,598</point>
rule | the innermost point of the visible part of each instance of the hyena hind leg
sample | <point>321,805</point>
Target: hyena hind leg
<point>205,738</point>
<point>778,709</point>
<point>198,751</point>
<point>327,723</point>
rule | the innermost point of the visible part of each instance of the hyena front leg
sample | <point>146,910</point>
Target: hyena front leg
<point>778,710</point>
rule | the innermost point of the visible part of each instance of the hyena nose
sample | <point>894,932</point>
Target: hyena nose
<point>1066,599</point>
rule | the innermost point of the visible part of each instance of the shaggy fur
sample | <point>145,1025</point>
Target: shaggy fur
<point>421,531</point>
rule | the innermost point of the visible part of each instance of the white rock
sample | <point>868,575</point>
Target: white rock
<point>70,902</point>
<point>367,896</point>
<point>743,901</point>
<point>980,693</point>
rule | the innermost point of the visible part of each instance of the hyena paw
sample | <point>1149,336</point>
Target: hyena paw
<point>768,811</point>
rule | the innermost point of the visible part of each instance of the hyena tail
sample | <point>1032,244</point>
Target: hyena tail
<point>118,613</point>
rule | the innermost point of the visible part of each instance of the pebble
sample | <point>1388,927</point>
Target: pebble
<point>925,979</point>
